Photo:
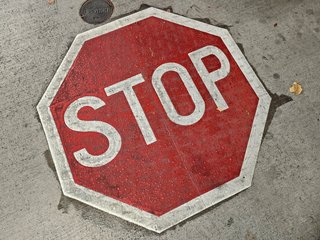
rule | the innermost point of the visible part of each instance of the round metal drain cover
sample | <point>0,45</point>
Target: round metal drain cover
<point>96,11</point>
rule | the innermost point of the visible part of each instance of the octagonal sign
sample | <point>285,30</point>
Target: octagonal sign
<point>154,118</point>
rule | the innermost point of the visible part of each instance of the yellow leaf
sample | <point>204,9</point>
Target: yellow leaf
<point>296,88</point>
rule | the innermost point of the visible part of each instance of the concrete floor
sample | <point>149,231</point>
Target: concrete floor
<point>281,39</point>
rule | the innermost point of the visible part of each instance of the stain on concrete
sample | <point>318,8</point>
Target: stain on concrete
<point>262,20</point>
<point>277,41</point>
<point>281,40</point>
<point>274,173</point>
<point>299,34</point>
<point>250,236</point>
<point>282,37</point>
<point>309,11</point>
<point>276,76</point>
<point>268,136</point>
<point>230,222</point>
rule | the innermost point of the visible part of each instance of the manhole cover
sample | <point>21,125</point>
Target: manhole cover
<point>96,11</point>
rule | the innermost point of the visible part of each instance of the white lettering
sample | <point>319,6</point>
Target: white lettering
<point>172,113</point>
<point>126,87</point>
<point>209,79</point>
<point>74,123</point>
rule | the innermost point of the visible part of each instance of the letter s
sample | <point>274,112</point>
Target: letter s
<point>74,123</point>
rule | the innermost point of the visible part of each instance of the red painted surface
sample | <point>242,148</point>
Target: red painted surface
<point>185,161</point>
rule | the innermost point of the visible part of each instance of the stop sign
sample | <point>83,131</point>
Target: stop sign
<point>154,117</point>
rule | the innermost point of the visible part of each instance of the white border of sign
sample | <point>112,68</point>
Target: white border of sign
<point>125,211</point>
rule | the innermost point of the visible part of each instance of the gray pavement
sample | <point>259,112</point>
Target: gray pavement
<point>281,40</point>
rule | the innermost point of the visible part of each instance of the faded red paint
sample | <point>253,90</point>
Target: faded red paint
<point>185,161</point>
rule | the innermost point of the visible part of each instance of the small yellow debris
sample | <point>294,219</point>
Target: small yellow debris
<point>296,88</point>
<point>50,2</point>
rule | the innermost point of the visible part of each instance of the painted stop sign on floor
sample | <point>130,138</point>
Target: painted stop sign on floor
<point>154,117</point>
